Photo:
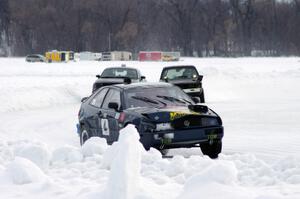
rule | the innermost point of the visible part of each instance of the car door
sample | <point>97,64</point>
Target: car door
<point>94,111</point>
<point>109,117</point>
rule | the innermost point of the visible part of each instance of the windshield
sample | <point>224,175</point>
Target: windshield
<point>120,72</point>
<point>156,97</point>
<point>180,73</point>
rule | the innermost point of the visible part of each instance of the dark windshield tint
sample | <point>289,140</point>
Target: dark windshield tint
<point>120,72</point>
<point>180,73</point>
<point>156,97</point>
<point>33,56</point>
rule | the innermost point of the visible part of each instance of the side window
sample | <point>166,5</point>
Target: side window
<point>98,99</point>
<point>112,96</point>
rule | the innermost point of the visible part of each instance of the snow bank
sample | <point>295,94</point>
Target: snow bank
<point>36,152</point>
<point>176,166</point>
<point>23,171</point>
<point>6,153</point>
<point>151,156</point>
<point>125,169</point>
<point>67,154</point>
<point>94,145</point>
<point>218,180</point>
<point>109,155</point>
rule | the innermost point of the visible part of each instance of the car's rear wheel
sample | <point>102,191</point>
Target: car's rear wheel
<point>84,135</point>
<point>211,149</point>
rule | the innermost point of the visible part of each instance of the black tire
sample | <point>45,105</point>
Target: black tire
<point>202,100</point>
<point>212,150</point>
<point>84,135</point>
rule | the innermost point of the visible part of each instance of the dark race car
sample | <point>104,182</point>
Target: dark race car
<point>185,77</point>
<point>163,114</point>
<point>117,75</point>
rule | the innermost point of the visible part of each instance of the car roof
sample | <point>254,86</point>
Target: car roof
<point>180,66</point>
<point>34,55</point>
<point>142,85</point>
<point>120,67</point>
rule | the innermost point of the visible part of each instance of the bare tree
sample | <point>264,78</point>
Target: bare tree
<point>4,25</point>
<point>209,27</point>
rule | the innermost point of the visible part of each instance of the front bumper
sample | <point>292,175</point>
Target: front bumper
<point>181,138</point>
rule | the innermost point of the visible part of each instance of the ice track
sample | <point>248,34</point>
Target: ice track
<point>258,100</point>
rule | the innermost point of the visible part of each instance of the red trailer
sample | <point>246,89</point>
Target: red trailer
<point>150,56</point>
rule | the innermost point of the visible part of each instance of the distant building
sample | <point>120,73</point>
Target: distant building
<point>59,56</point>
<point>116,56</point>
<point>158,56</point>
<point>150,56</point>
<point>89,56</point>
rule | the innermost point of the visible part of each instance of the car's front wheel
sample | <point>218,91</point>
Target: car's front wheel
<point>211,149</point>
<point>84,135</point>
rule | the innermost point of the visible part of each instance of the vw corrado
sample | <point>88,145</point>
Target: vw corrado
<point>163,114</point>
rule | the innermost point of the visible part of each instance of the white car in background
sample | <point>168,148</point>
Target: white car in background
<point>35,58</point>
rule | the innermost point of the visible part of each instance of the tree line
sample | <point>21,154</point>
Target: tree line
<point>193,27</point>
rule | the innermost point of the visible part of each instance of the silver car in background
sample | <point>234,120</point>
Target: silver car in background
<point>35,58</point>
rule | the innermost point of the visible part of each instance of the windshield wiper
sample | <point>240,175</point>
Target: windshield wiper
<point>172,99</point>
<point>145,99</point>
<point>187,101</point>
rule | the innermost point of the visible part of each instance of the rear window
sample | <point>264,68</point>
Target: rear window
<point>120,72</point>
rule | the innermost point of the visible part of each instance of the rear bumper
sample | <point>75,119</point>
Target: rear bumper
<point>181,138</point>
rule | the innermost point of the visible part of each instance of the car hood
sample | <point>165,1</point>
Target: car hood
<point>167,114</point>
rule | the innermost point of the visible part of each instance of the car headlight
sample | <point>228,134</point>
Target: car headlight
<point>207,121</point>
<point>163,126</point>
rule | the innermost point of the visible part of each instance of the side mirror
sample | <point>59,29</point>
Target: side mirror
<point>84,99</point>
<point>98,76</point>
<point>113,105</point>
<point>166,79</point>
<point>143,77</point>
<point>196,99</point>
<point>200,77</point>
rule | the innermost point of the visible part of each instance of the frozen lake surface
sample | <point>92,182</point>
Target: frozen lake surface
<point>40,156</point>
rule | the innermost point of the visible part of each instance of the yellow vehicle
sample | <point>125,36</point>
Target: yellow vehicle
<point>167,58</point>
<point>170,56</point>
<point>59,56</point>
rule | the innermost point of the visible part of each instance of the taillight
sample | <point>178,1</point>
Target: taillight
<point>122,117</point>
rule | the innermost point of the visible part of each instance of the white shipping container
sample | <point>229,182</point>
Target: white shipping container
<point>90,56</point>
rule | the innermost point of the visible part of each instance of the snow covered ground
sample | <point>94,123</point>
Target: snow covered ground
<point>40,156</point>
